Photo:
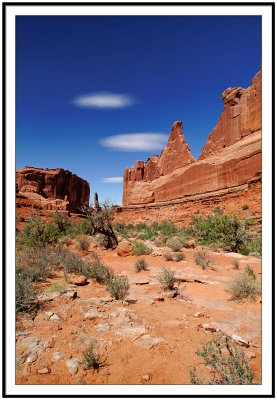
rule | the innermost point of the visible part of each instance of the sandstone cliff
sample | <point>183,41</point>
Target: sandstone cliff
<point>52,189</point>
<point>230,160</point>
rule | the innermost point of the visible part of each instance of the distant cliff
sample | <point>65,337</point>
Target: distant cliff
<point>52,189</point>
<point>230,160</point>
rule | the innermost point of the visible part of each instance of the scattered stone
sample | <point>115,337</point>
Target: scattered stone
<point>22,334</point>
<point>92,314</point>
<point>45,370</point>
<point>72,294</point>
<point>131,300</point>
<point>55,317</point>
<point>240,340</point>
<point>81,381</point>
<point>78,280</point>
<point>126,330</point>
<point>48,296</point>
<point>208,327</point>
<point>146,377</point>
<point>147,341</point>
<point>103,328</point>
<point>190,244</point>
<point>141,281</point>
<point>57,355</point>
<point>72,365</point>
<point>171,295</point>
<point>158,298</point>
<point>48,314</point>
<point>124,248</point>
<point>199,315</point>
<point>32,358</point>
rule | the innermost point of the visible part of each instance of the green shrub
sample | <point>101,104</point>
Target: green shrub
<point>245,207</point>
<point>39,233</point>
<point>204,259</point>
<point>58,287</point>
<point>174,244</point>
<point>178,256</point>
<point>168,257</point>
<point>250,272</point>
<point>243,286</point>
<point>141,265</point>
<point>62,221</point>
<point>118,287</point>
<point>235,264</point>
<point>91,359</point>
<point>224,230</point>
<point>24,291</point>
<point>74,264</point>
<point>140,248</point>
<point>83,243</point>
<point>227,364</point>
<point>167,279</point>
<point>100,272</point>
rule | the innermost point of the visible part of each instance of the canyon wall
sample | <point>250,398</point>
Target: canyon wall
<point>52,189</point>
<point>230,160</point>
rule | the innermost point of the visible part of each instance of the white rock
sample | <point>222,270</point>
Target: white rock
<point>72,365</point>
<point>57,355</point>
<point>147,341</point>
<point>32,358</point>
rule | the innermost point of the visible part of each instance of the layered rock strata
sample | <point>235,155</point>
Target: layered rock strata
<point>52,189</point>
<point>230,160</point>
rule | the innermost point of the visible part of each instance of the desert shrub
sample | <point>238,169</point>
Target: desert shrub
<point>92,359</point>
<point>83,243</point>
<point>245,207</point>
<point>174,244</point>
<point>58,287</point>
<point>168,257</point>
<point>118,287</point>
<point>167,228</point>
<point>24,291</point>
<point>228,364</point>
<point>250,272</point>
<point>204,259</point>
<point>62,221</point>
<point>253,244</point>
<point>225,230</point>
<point>243,286</point>
<point>38,233</point>
<point>100,272</point>
<point>167,279</point>
<point>141,265</point>
<point>235,264</point>
<point>178,256</point>
<point>74,264</point>
<point>140,248</point>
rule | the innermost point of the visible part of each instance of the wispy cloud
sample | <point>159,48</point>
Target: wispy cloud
<point>148,141</point>
<point>104,100</point>
<point>115,179</point>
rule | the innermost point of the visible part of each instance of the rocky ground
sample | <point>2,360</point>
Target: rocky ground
<point>149,338</point>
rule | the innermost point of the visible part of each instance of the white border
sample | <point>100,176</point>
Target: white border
<point>265,388</point>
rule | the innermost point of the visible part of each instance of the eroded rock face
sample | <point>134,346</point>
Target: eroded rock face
<point>53,189</point>
<point>231,158</point>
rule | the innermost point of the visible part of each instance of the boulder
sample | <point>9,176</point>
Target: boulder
<point>124,248</point>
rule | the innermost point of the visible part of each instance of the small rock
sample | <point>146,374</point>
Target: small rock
<point>126,330</point>
<point>250,354</point>
<point>147,341</point>
<point>240,340</point>
<point>57,355</point>
<point>32,358</point>
<point>141,281</point>
<point>78,280</point>
<point>131,300</point>
<point>72,365</point>
<point>208,327</point>
<point>45,370</point>
<point>55,317</point>
<point>158,298</point>
<point>146,377</point>
<point>124,248</point>
<point>190,244</point>
<point>48,314</point>
<point>72,294</point>
<point>103,328</point>
<point>92,314</point>
<point>171,295</point>
<point>199,315</point>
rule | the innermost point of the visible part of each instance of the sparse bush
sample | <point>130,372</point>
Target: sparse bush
<point>140,248</point>
<point>39,233</point>
<point>167,279</point>
<point>100,272</point>
<point>204,259</point>
<point>62,221</point>
<point>243,286</point>
<point>83,243</point>
<point>178,256</point>
<point>227,363</point>
<point>141,265</point>
<point>174,244</point>
<point>250,272</point>
<point>74,264</point>
<point>92,359</point>
<point>58,287</point>
<point>24,291</point>
<point>168,257</point>
<point>245,207</point>
<point>118,287</point>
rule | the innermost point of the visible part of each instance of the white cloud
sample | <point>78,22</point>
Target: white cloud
<point>115,179</point>
<point>104,100</point>
<point>147,141</point>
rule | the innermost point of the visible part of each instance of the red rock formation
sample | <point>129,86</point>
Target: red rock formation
<point>230,160</point>
<point>53,189</point>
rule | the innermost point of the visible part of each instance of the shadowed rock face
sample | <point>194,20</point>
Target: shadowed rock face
<point>230,159</point>
<point>54,189</point>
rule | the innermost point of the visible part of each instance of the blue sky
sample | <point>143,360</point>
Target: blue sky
<point>84,83</point>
